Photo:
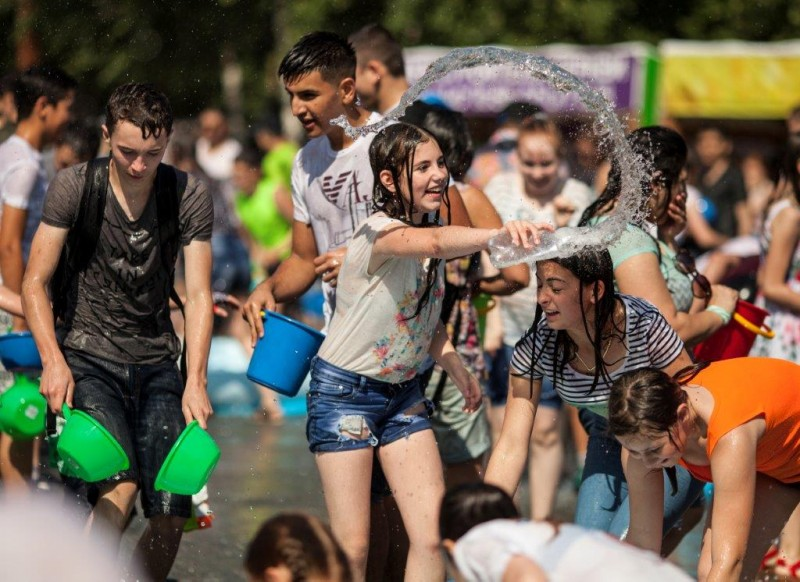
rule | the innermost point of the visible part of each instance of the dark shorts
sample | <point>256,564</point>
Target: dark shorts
<point>347,411</point>
<point>140,405</point>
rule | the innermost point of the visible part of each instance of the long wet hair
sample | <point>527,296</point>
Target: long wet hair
<point>590,267</point>
<point>646,401</point>
<point>303,544</point>
<point>664,152</point>
<point>393,149</point>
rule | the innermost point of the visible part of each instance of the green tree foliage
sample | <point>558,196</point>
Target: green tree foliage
<point>181,44</point>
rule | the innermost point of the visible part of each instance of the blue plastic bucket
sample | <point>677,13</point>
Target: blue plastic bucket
<point>283,356</point>
<point>18,351</point>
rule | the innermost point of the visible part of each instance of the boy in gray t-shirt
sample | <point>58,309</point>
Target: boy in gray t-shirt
<point>119,350</point>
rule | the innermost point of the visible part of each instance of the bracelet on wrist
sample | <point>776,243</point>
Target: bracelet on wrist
<point>724,315</point>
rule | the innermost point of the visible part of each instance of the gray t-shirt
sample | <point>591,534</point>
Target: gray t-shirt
<point>118,307</point>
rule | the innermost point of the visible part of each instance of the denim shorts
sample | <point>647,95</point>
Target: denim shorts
<point>348,411</point>
<point>140,405</point>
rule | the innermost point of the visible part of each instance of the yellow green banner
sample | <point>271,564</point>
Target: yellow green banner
<point>730,79</point>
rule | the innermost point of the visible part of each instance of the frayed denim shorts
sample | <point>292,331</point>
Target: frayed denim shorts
<point>348,411</point>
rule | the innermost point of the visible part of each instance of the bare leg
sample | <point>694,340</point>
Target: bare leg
<point>111,512</point>
<point>546,462</point>
<point>579,436</point>
<point>413,468</point>
<point>346,479</point>
<point>158,546</point>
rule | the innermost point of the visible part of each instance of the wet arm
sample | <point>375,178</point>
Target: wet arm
<point>56,382</point>
<point>646,497</point>
<point>511,452</point>
<point>640,276</point>
<point>197,334</point>
<point>733,464</point>
<point>12,230</point>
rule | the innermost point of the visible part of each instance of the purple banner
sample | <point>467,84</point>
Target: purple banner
<point>615,70</point>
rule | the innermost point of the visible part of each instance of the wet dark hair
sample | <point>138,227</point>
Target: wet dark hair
<point>142,105</point>
<point>451,131</point>
<point>82,138</point>
<point>393,149</point>
<point>470,504</point>
<point>646,401</point>
<point>665,153</point>
<point>374,42</point>
<point>328,53</point>
<point>590,267</point>
<point>51,83</point>
<point>300,542</point>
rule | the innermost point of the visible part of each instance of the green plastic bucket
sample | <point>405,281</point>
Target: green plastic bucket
<point>87,449</point>
<point>190,462</point>
<point>22,409</point>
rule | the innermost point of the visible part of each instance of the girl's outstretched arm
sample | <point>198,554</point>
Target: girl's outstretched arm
<point>449,242</point>
<point>10,301</point>
<point>511,452</point>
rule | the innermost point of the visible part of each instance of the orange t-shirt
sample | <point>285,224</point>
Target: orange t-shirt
<point>749,388</point>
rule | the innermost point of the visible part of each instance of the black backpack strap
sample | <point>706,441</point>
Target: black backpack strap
<point>83,236</point>
<point>170,187</point>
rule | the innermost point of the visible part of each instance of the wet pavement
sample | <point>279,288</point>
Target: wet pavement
<point>263,470</point>
<point>266,469</point>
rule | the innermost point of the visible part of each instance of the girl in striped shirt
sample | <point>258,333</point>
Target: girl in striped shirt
<point>584,336</point>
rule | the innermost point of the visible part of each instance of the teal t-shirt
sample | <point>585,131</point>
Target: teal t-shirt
<point>635,241</point>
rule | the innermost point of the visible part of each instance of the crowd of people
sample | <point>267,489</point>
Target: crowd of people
<point>126,245</point>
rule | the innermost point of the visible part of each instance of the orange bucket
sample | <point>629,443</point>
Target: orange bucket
<point>735,339</point>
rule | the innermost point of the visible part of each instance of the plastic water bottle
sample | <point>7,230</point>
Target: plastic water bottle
<point>504,253</point>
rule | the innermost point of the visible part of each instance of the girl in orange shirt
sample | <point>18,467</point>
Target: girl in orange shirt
<point>736,422</point>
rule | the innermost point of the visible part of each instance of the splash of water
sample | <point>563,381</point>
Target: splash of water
<point>607,125</point>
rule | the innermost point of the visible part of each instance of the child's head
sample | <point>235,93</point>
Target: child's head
<point>141,105</point>
<point>378,55</point>
<point>712,144</point>
<point>540,149</point>
<point>319,74</point>
<point>576,295</point>
<point>247,171</point>
<point>470,504</point>
<point>649,414</point>
<point>137,128</point>
<point>410,172</point>
<point>576,290</point>
<point>665,154</point>
<point>78,143</point>
<point>294,547</point>
<point>46,93</point>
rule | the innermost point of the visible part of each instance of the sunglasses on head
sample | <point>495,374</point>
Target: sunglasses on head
<point>701,287</point>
